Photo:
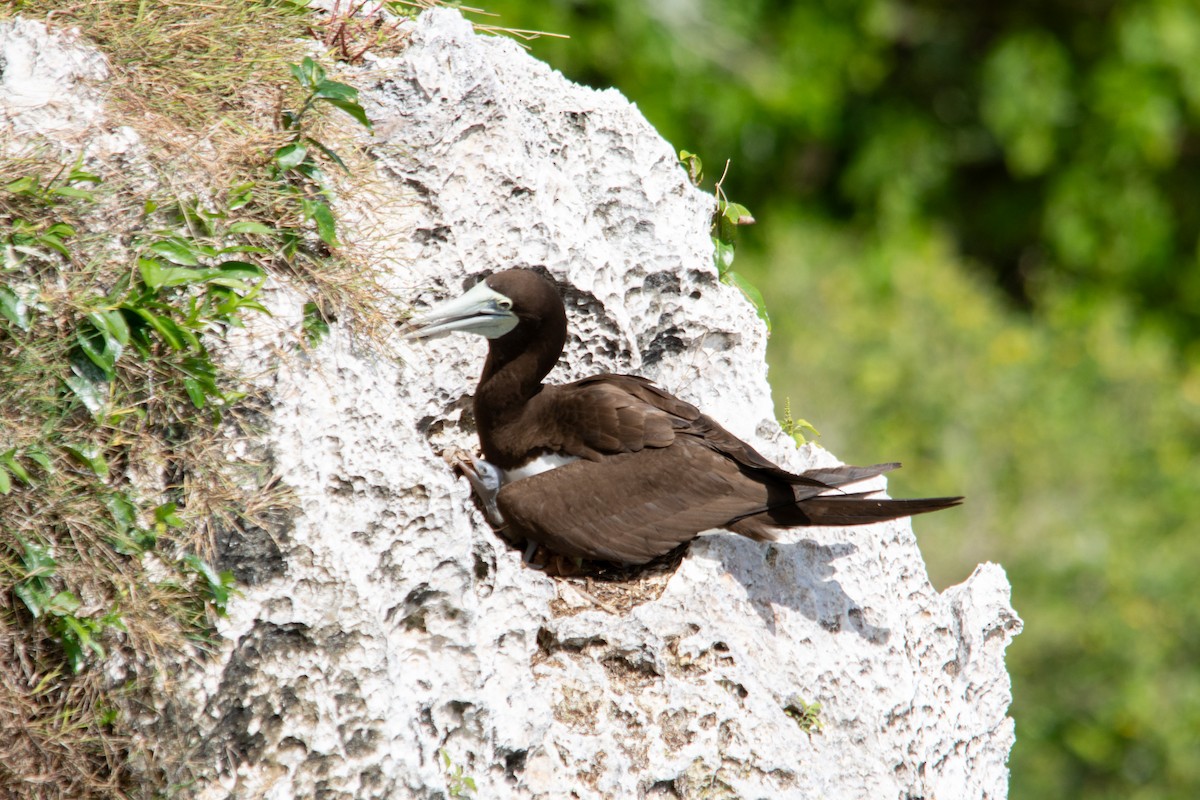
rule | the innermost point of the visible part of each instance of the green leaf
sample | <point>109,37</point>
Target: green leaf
<point>71,191</point>
<point>166,515</point>
<point>32,596</point>
<point>311,170</point>
<point>737,214</point>
<point>199,367</point>
<point>112,619</point>
<point>221,596</point>
<point>729,217</point>
<point>101,356</point>
<point>134,542</point>
<point>176,250</point>
<point>334,90</point>
<point>190,339</point>
<point>168,277</point>
<point>326,226</point>
<point>752,294</point>
<point>73,651</point>
<point>126,545</point>
<point>165,328</point>
<point>240,269</point>
<point>244,248</point>
<point>82,175</point>
<point>217,585</point>
<point>93,394</point>
<point>113,333</point>
<point>352,108</point>
<point>234,274</point>
<point>119,290</point>
<point>9,460</point>
<point>290,155</point>
<point>5,481</point>
<point>694,166</point>
<point>37,561</point>
<point>800,425</point>
<point>76,635</point>
<point>308,72</point>
<point>153,272</point>
<point>233,304</point>
<point>330,154</point>
<point>90,456</point>
<point>96,647</point>
<point>14,309</point>
<point>63,603</point>
<point>202,568</point>
<point>40,457</point>
<point>124,512</point>
<point>18,471</point>
<point>796,428</point>
<point>722,257</point>
<point>240,195</point>
<point>315,326</point>
<point>114,319</point>
<point>194,391</point>
<point>54,243</point>
<point>26,185</point>
<point>246,226</point>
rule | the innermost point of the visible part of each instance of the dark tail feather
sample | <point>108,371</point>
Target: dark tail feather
<point>836,510</point>
<point>814,498</point>
<point>845,474</point>
<point>855,509</point>
<point>813,482</point>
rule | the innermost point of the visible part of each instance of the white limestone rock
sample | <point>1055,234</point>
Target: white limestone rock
<point>385,623</point>
<point>399,626</point>
<point>52,93</point>
<point>48,82</point>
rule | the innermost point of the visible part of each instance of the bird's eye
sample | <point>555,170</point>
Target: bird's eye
<point>505,304</point>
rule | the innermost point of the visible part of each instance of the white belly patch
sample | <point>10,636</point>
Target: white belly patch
<point>536,466</point>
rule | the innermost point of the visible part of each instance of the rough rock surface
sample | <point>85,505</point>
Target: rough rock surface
<point>385,627</point>
<point>51,94</point>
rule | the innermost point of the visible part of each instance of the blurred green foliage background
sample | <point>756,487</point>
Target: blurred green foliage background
<point>979,238</point>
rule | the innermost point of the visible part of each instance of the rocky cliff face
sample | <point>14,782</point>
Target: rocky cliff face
<point>387,644</point>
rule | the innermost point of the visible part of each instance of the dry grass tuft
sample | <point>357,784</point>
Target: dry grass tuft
<point>73,728</point>
<point>414,7</point>
<point>354,27</point>
<point>190,62</point>
<point>117,494</point>
<point>111,511</point>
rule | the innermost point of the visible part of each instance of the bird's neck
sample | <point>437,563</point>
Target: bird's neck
<point>512,376</point>
<point>507,384</point>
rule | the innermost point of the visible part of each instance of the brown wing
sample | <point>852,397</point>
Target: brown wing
<point>608,414</point>
<point>632,507</point>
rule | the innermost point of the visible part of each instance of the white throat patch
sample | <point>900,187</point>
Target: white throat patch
<point>536,466</point>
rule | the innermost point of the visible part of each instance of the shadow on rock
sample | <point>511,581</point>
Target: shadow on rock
<point>798,575</point>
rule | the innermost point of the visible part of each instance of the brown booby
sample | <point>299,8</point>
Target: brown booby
<point>611,467</point>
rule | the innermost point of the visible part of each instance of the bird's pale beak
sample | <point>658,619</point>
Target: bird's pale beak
<point>482,311</point>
